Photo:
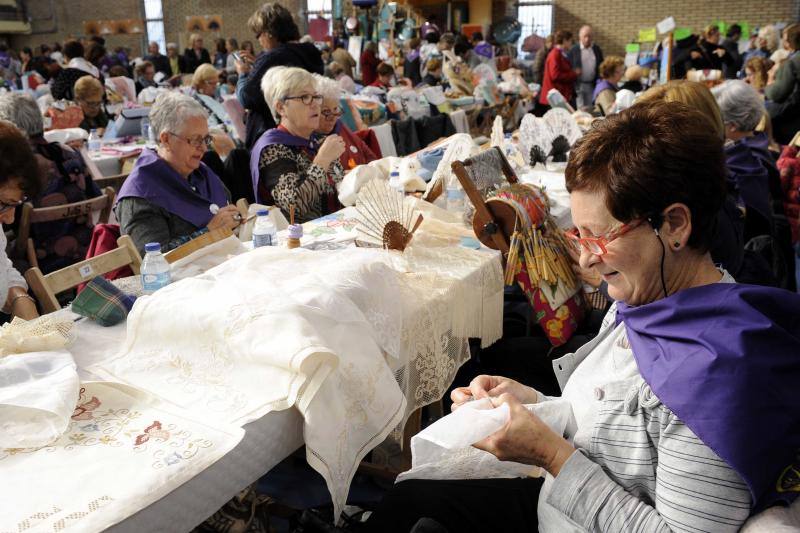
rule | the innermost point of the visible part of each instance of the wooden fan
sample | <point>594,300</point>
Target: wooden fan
<point>385,219</point>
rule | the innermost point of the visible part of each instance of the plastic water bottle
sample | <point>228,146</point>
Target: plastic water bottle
<point>394,181</point>
<point>94,141</point>
<point>264,232</point>
<point>145,128</point>
<point>155,269</point>
<point>455,196</point>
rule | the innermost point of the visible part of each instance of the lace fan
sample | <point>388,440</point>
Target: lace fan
<point>561,122</point>
<point>536,138</point>
<point>384,217</point>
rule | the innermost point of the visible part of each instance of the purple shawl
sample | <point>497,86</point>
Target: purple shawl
<point>154,180</point>
<point>601,86</point>
<point>725,358</point>
<point>484,49</point>
<point>749,165</point>
<point>268,138</point>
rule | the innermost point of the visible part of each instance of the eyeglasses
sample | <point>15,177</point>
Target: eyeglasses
<point>327,113</point>
<point>597,245</point>
<point>305,98</point>
<point>196,142</point>
<point>5,206</point>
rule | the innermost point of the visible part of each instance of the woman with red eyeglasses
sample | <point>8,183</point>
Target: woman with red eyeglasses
<point>683,410</point>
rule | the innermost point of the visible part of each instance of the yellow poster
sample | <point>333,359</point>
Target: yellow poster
<point>647,35</point>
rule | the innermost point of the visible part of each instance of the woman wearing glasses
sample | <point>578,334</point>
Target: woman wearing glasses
<point>89,94</point>
<point>287,165</point>
<point>356,152</point>
<point>171,196</point>
<point>684,406</point>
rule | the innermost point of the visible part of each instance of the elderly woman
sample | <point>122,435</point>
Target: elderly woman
<point>89,94</point>
<point>287,167</point>
<point>604,96</point>
<point>784,92</point>
<point>356,152</point>
<point>171,196</point>
<point>205,82</point>
<point>277,34</point>
<point>750,164</point>
<point>196,55</point>
<point>66,180</point>
<point>145,75</point>
<point>663,401</point>
<point>19,179</point>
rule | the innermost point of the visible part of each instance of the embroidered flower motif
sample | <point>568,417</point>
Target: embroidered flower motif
<point>90,427</point>
<point>172,458</point>
<point>77,437</point>
<point>153,430</point>
<point>83,411</point>
<point>554,328</point>
<point>562,312</point>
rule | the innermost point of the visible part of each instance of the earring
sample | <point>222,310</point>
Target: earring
<point>676,244</point>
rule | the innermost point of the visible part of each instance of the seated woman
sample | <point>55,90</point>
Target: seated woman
<point>756,72</point>
<point>89,94</point>
<point>434,72</point>
<point>19,179</point>
<point>170,196</point>
<point>205,82</point>
<point>145,76</point>
<point>287,167</point>
<point>66,180</point>
<point>664,398</point>
<point>356,152</point>
<point>751,167</point>
<point>633,79</point>
<point>604,96</point>
<point>344,81</point>
<point>385,73</point>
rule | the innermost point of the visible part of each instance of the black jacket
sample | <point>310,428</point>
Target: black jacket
<point>259,118</point>
<point>192,61</point>
<point>574,56</point>
<point>161,63</point>
<point>708,58</point>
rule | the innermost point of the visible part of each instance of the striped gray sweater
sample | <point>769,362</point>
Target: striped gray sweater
<point>638,467</point>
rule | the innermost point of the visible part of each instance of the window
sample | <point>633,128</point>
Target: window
<point>535,17</point>
<point>319,9</point>
<point>154,20</point>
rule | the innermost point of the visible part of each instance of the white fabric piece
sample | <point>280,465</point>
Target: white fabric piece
<point>409,174</point>
<point>66,135</point>
<point>385,140</point>
<point>459,120</point>
<point>623,100</point>
<point>444,449</point>
<point>121,452</point>
<point>312,325</point>
<point>206,258</point>
<point>353,181</point>
<point>43,334</point>
<point>497,132</point>
<point>459,146</point>
<point>434,95</point>
<point>81,64</point>
<point>38,392</point>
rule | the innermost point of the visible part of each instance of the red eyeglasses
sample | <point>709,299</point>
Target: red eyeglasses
<point>597,245</point>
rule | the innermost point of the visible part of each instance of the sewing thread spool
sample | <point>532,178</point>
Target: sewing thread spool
<point>295,231</point>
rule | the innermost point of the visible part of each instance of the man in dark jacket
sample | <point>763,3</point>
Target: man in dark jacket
<point>276,31</point>
<point>159,60</point>
<point>585,57</point>
<point>731,46</point>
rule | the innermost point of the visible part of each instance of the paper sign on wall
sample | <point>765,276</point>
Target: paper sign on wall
<point>647,35</point>
<point>665,26</point>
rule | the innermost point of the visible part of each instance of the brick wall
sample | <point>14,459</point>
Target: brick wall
<point>70,15</point>
<point>617,22</point>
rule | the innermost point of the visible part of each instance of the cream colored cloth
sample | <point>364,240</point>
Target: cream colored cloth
<point>121,451</point>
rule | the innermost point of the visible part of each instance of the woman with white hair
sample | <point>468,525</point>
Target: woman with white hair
<point>287,165</point>
<point>356,151</point>
<point>750,164</point>
<point>171,196</point>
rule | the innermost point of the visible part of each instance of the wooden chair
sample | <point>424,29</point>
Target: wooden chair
<point>115,182</point>
<point>46,288</point>
<point>31,215</point>
<point>202,241</point>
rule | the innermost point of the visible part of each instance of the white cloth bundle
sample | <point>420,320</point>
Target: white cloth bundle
<point>444,449</point>
<point>207,257</point>
<point>66,135</point>
<point>38,392</point>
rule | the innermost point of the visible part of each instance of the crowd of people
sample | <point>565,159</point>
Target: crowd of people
<point>686,207</point>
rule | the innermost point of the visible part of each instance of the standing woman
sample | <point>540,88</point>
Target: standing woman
<point>19,180</point>
<point>196,55</point>
<point>221,54</point>
<point>558,72</point>
<point>277,34</point>
<point>369,64</point>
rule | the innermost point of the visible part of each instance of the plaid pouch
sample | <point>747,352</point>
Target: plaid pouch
<point>101,301</point>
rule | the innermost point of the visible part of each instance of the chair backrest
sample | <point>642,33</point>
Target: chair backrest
<point>31,215</point>
<point>47,287</point>
<point>202,241</point>
<point>114,182</point>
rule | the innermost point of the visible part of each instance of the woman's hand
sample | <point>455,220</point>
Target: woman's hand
<point>244,64</point>
<point>226,217</point>
<point>526,439</point>
<point>332,148</point>
<point>223,144</point>
<point>695,54</point>
<point>720,52</point>
<point>20,304</point>
<point>588,275</point>
<point>485,386</point>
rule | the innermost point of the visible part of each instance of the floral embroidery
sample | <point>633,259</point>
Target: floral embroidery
<point>83,411</point>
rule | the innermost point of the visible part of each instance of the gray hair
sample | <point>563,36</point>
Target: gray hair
<point>22,111</point>
<point>740,104</point>
<point>328,88</point>
<point>280,82</point>
<point>171,110</point>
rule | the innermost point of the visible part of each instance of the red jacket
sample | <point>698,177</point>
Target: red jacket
<point>356,151</point>
<point>369,67</point>
<point>789,166</point>
<point>558,74</point>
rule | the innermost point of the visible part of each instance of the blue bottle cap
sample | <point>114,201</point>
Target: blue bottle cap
<point>262,212</point>
<point>152,247</point>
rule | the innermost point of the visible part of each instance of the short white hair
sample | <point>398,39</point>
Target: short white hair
<point>740,104</point>
<point>280,82</point>
<point>171,110</point>
<point>22,111</point>
<point>770,34</point>
<point>328,88</point>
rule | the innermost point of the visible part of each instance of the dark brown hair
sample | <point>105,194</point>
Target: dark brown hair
<point>276,20</point>
<point>648,157</point>
<point>17,161</point>
<point>384,69</point>
<point>562,36</point>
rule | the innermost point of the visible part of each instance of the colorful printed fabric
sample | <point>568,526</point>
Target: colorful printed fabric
<point>103,302</point>
<point>560,324</point>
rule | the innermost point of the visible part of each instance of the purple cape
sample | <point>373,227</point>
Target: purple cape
<point>601,86</point>
<point>268,138</point>
<point>725,358</point>
<point>154,180</point>
<point>749,164</point>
